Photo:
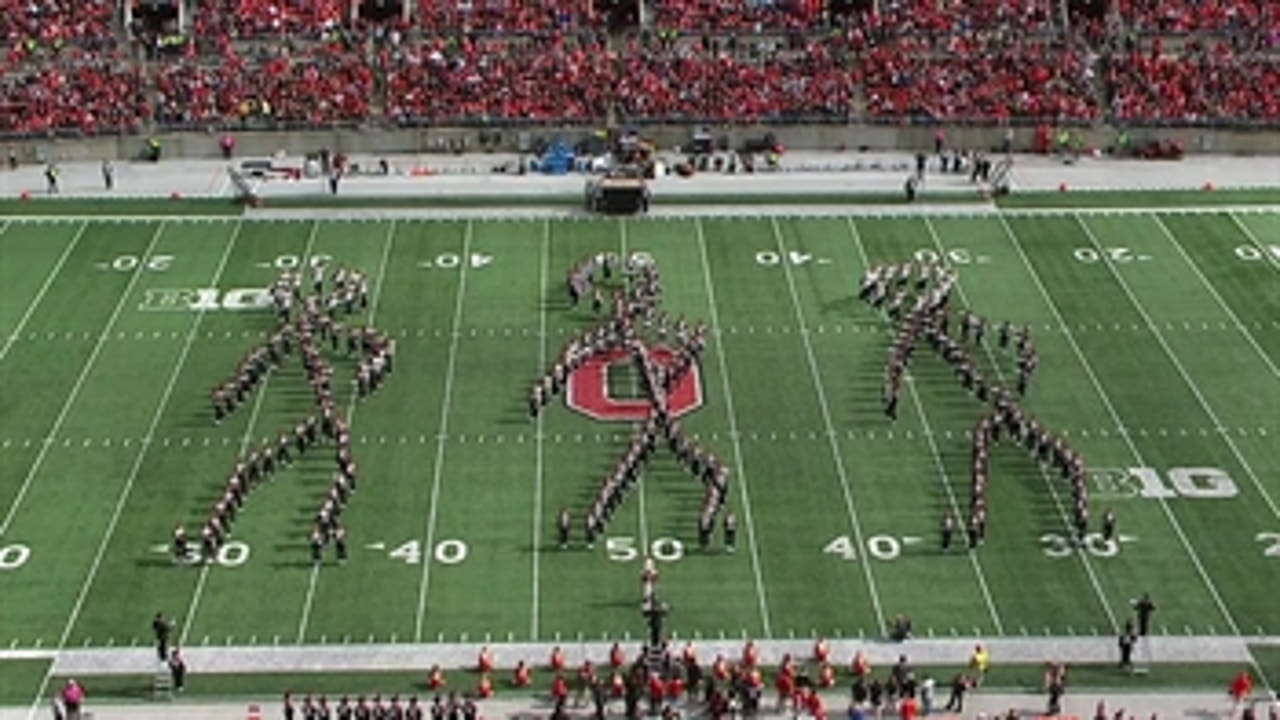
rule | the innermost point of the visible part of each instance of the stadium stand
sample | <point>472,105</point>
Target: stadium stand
<point>43,29</point>
<point>316,86</point>
<point>1162,17</point>
<point>979,77</point>
<point>265,18</point>
<point>306,63</point>
<point>525,79</point>
<point>1200,83</point>
<point>660,81</point>
<point>504,17</point>
<point>700,15</point>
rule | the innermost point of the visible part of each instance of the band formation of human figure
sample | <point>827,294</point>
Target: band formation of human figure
<point>916,297</point>
<point>636,322</point>
<point>306,323</point>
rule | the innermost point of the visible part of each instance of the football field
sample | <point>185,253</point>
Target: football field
<point>1159,344</point>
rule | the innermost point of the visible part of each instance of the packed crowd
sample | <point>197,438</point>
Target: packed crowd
<point>996,76</point>
<point>497,79</point>
<point>737,17</point>
<point>266,18</point>
<point>1203,80</point>
<point>40,27</point>
<point>1153,17</point>
<point>67,69</point>
<point>504,17</point>
<point>317,86</point>
<point>944,17</point>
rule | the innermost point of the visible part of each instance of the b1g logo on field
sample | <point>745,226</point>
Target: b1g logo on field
<point>205,299</point>
<point>588,388</point>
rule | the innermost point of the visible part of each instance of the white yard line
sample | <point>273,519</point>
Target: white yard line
<point>438,472</point>
<point>1272,258</point>
<point>132,477</point>
<point>538,467</point>
<point>734,436</point>
<point>309,600</point>
<point>1248,336</point>
<point>943,475</point>
<point>1177,364</point>
<point>643,522</point>
<point>44,288</point>
<point>77,386</point>
<point>1120,426</point>
<point>194,605</point>
<point>830,432</point>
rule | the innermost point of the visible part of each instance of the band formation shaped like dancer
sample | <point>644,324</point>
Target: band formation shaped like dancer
<point>306,323</point>
<point>636,323</point>
<point>916,298</point>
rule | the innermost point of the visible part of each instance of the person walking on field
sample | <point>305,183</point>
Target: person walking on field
<point>1145,607</point>
<point>959,686</point>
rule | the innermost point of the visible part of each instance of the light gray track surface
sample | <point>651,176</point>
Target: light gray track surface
<point>471,175</point>
<point>362,657</point>
<point>455,656</point>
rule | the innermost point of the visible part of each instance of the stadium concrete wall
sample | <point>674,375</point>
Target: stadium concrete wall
<point>379,141</point>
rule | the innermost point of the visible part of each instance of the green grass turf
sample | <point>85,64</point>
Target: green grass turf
<point>19,680</point>
<point>453,468</point>
<point>1140,198</point>
<point>44,206</point>
<point>1267,658</point>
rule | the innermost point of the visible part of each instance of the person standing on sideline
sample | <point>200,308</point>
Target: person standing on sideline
<point>959,686</point>
<point>51,178</point>
<point>927,689</point>
<point>1241,686</point>
<point>177,669</point>
<point>108,174</point>
<point>1145,608</point>
<point>979,663</point>
<point>72,699</point>
<point>1055,684</point>
<point>162,626</point>
<point>1128,639</point>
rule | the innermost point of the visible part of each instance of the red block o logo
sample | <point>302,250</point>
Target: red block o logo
<point>588,391</point>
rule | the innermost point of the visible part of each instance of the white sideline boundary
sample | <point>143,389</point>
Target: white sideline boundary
<point>658,214</point>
